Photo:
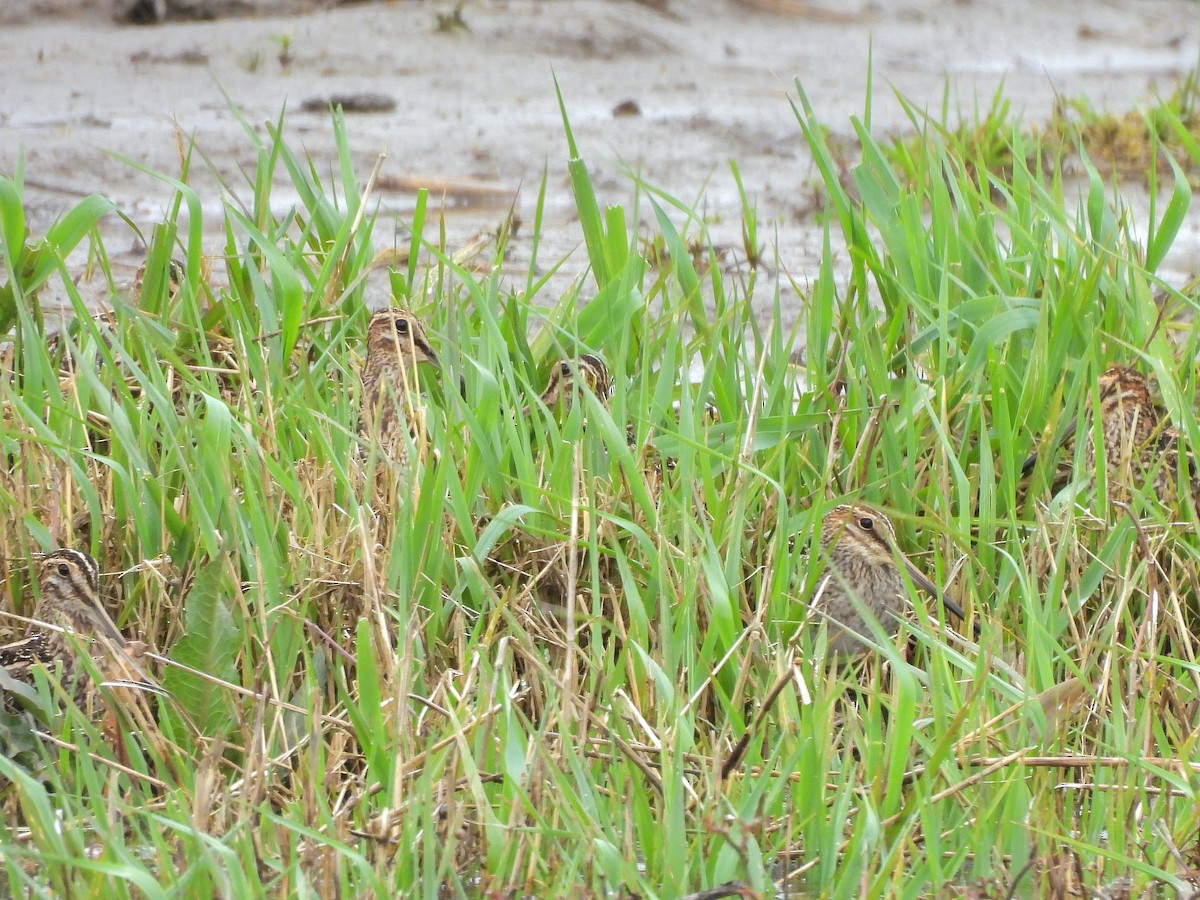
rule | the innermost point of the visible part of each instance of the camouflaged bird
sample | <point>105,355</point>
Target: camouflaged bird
<point>391,415</point>
<point>1137,443</point>
<point>567,377</point>
<point>68,583</point>
<point>176,275</point>
<point>862,574</point>
<point>56,347</point>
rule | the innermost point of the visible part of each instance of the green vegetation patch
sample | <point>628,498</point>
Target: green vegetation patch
<point>562,650</point>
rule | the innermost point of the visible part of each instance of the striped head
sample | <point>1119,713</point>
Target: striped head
<point>69,584</point>
<point>396,341</point>
<point>68,574</point>
<point>861,531</point>
<point>588,371</point>
<point>859,540</point>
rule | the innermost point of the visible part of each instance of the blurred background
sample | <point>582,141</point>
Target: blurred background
<point>461,98</point>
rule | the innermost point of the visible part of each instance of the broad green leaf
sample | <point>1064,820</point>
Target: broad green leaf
<point>210,644</point>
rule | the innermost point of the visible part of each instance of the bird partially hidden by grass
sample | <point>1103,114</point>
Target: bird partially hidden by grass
<point>57,348</point>
<point>862,576</point>
<point>391,414</point>
<point>567,377</point>
<point>85,658</point>
<point>1139,448</point>
<point>70,622</point>
<point>537,563</point>
<point>176,276</point>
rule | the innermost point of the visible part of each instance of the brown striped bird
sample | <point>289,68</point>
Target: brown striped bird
<point>69,603</point>
<point>391,414</point>
<point>569,376</point>
<point>176,275</point>
<point>862,576</point>
<point>1139,448</point>
<point>57,348</point>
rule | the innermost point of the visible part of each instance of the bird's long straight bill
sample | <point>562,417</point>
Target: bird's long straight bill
<point>1031,460</point>
<point>919,579</point>
<point>107,625</point>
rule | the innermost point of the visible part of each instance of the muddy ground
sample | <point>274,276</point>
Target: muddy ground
<point>475,116</point>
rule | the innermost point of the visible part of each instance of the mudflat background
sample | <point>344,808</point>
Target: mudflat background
<point>671,91</point>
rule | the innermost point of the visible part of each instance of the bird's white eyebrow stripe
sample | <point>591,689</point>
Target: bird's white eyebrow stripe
<point>91,571</point>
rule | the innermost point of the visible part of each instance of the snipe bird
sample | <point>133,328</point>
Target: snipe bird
<point>391,415</point>
<point>863,563</point>
<point>68,583</point>
<point>567,377</point>
<point>176,275</point>
<point>1137,443</point>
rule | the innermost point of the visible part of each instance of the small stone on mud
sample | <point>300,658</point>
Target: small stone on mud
<point>192,57</point>
<point>626,108</point>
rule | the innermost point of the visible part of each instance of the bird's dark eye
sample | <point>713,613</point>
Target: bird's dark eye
<point>64,569</point>
<point>402,326</point>
<point>865,523</point>
<point>564,369</point>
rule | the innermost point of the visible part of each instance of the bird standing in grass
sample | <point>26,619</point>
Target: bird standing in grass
<point>68,582</point>
<point>176,276</point>
<point>862,575</point>
<point>390,416</point>
<point>1137,443</point>
<point>588,370</point>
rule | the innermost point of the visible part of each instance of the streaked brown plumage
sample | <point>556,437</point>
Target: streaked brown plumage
<point>68,583</point>
<point>858,544</point>
<point>396,343</point>
<point>1137,442</point>
<point>711,416</point>
<point>176,274</point>
<point>654,465</point>
<point>1128,420</point>
<point>588,370</point>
